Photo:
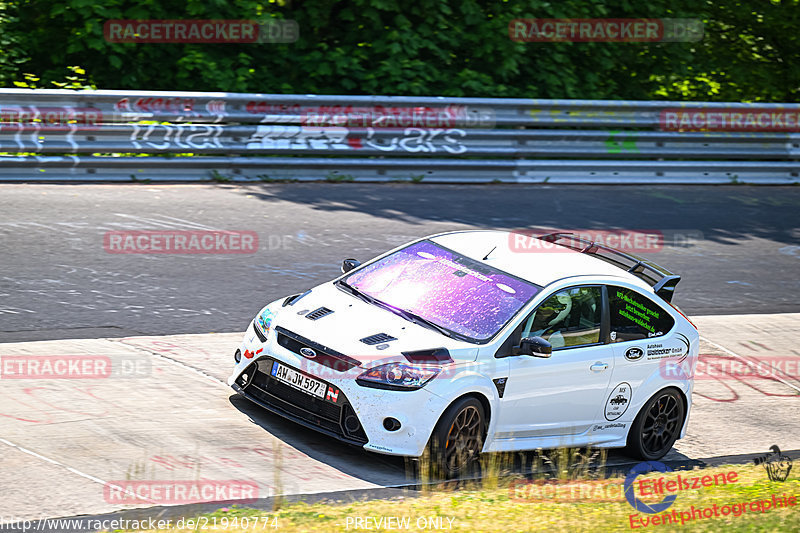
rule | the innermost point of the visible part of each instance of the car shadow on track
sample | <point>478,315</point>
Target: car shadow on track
<point>391,471</point>
<point>383,470</point>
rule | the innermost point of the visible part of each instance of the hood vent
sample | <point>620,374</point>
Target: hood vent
<point>378,338</point>
<point>433,355</point>
<point>316,314</point>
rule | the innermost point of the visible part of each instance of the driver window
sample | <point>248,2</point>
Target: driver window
<point>568,318</point>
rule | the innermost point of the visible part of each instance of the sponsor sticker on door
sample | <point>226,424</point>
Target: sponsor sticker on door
<point>618,401</point>
<point>634,353</point>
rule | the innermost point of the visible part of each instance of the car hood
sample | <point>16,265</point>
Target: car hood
<point>352,319</point>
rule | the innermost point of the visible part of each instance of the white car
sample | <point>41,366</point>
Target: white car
<point>460,343</point>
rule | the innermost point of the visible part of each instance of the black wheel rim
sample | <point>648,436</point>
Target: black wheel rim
<point>463,440</point>
<point>661,424</point>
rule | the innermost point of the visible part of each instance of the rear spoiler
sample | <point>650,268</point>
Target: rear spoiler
<point>662,280</point>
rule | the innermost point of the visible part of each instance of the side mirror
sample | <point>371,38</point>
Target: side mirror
<point>535,346</point>
<point>349,264</point>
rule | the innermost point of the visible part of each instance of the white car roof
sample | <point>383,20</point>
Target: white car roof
<point>540,267</point>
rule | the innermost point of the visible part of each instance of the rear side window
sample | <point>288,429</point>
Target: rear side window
<point>634,316</point>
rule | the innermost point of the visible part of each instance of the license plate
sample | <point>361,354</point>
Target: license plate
<point>297,380</point>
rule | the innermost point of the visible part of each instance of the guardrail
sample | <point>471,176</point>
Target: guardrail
<point>61,135</point>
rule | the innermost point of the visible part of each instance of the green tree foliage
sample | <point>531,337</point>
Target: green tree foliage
<point>425,47</point>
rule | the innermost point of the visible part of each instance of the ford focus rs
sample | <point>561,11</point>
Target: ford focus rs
<point>459,344</point>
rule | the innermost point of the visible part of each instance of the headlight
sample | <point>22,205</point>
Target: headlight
<point>397,376</point>
<point>263,323</point>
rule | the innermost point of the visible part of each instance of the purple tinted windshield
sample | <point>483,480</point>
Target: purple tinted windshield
<point>450,290</point>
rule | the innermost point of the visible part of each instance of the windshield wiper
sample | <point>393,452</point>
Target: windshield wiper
<point>405,313</point>
<point>357,293</point>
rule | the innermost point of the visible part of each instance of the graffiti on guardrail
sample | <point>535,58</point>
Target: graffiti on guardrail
<point>298,138</point>
<point>151,104</point>
<point>181,109</point>
<point>420,140</point>
<point>279,137</point>
<point>51,133</point>
<point>169,136</point>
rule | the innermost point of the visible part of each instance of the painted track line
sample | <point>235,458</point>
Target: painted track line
<point>746,361</point>
<point>172,361</point>
<point>73,470</point>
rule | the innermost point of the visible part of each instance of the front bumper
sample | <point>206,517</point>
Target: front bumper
<point>335,419</point>
<point>355,418</point>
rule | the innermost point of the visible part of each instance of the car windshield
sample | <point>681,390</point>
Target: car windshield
<point>441,286</point>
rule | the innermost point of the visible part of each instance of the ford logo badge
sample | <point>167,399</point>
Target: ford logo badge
<point>632,354</point>
<point>308,353</point>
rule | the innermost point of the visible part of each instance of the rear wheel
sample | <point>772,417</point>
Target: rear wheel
<point>657,426</point>
<point>457,440</point>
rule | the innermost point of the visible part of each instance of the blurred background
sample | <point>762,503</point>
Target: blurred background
<point>428,47</point>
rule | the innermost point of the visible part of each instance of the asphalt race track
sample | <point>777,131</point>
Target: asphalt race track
<point>738,247</point>
<point>173,321</point>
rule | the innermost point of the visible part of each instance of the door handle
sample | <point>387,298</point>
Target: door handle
<point>598,366</point>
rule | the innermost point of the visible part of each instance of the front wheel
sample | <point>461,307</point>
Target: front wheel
<point>457,439</point>
<point>657,426</point>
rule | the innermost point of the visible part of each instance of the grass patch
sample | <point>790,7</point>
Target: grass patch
<point>219,178</point>
<point>504,505</point>
<point>335,177</point>
<point>267,179</point>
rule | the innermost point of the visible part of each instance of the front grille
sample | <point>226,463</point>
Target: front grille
<point>325,356</point>
<point>316,314</point>
<point>337,418</point>
<point>378,338</point>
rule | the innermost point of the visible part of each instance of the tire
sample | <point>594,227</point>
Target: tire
<point>457,439</point>
<point>657,426</point>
